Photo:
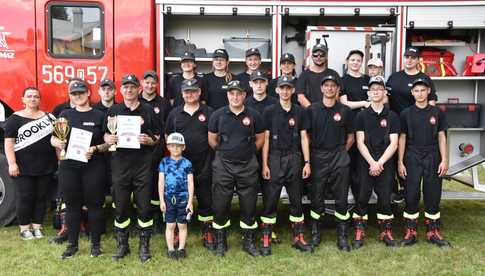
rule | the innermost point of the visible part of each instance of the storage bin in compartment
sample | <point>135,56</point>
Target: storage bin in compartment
<point>461,114</point>
<point>236,46</point>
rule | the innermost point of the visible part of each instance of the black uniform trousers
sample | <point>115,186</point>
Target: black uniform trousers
<point>422,164</point>
<point>241,175</point>
<point>157,156</point>
<point>354,155</point>
<point>382,185</point>
<point>202,169</point>
<point>330,171</point>
<point>132,173</point>
<point>84,186</point>
<point>285,170</point>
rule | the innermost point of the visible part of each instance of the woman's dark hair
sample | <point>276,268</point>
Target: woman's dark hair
<point>29,88</point>
<point>355,52</point>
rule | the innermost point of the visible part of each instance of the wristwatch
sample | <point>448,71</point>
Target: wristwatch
<point>307,162</point>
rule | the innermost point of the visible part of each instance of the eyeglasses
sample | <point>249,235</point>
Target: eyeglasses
<point>319,55</point>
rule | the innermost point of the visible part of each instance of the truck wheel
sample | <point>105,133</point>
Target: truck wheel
<point>7,194</point>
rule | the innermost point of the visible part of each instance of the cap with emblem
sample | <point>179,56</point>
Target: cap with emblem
<point>175,138</point>
<point>235,85</point>
<point>151,74</point>
<point>130,78</point>
<point>107,82</point>
<point>188,56</point>
<point>320,47</point>
<point>378,80</point>
<point>285,81</point>
<point>77,87</point>
<point>221,53</point>
<point>375,62</point>
<point>258,75</point>
<point>191,84</point>
<point>412,52</point>
<point>332,78</point>
<point>420,81</point>
<point>287,57</point>
<point>253,51</point>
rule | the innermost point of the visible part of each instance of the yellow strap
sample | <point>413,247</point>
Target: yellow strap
<point>384,217</point>
<point>434,217</point>
<point>356,216</point>
<point>314,215</point>
<point>245,226</point>
<point>297,219</point>
<point>411,216</point>
<point>145,224</point>
<point>122,225</point>
<point>268,220</point>
<point>155,202</point>
<point>342,217</point>
<point>217,226</point>
<point>205,219</point>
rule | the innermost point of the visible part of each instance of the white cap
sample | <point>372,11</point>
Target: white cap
<point>375,61</point>
<point>176,138</point>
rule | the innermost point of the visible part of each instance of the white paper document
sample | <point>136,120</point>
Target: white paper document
<point>78,145</point>
<point>128,131</point>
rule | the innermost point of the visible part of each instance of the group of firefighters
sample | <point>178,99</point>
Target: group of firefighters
<point>247,134</point>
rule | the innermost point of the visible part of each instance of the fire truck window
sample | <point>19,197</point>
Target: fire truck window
<point>76,31</point>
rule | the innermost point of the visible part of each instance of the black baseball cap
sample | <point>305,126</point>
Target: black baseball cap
<point>130,78</point>
<point>221,53</point>
<point>420,81</point>
<point>287,57</point>
<point>253,51</point>
<point>285,81</point>
<point>258,75</point>
<point>191,84</point>
<point>412,52</point>
<point>332,78</point>
<point>150,73</point>
<point>378,80</point>
<point>78,87</point>
<point>353,52</point>
<point>320,47</point>
<point>107,82</point>
<point>188,56</point>
<point>235,85</point>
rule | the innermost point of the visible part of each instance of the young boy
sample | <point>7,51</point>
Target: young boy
<point>176,187</point>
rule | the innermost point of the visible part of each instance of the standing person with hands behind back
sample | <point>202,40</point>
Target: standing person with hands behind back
<point>176,187</point>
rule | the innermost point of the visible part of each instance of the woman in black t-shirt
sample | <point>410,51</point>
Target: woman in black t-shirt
<point>215,82</point>
<point>83,182</point>
<point>31,161</point>
<point>253,62</point>
<point>188,67</point>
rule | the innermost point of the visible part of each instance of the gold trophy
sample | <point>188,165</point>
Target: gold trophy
<point>61,130</point>
<point>112,127</point>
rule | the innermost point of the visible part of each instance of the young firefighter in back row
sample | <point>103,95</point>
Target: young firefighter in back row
<point>422,155</point>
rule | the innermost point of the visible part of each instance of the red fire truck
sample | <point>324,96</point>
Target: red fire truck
<point>44,43</point>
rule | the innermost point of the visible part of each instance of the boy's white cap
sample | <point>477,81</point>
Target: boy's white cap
<point>375,61</point>
<point>176,138</point>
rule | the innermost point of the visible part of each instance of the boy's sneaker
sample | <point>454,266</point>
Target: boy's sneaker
<point>26,235</point>
<point>38,233</point>
<point>172,254</point>
<point>181,254</point>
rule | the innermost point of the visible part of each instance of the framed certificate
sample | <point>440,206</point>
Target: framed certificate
<point>128,130</point>
<point>78,145</point>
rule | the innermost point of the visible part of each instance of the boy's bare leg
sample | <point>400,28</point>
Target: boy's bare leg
<point>182,235</point>
<point>169,233</point>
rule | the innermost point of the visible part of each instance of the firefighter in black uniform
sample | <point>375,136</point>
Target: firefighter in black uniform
<point>236,132</point>
<point>377,130</point>
<point>107,93</point>
<point>132,170</point>
<point>260,99</point>
<point>331,136</point>
<point>422,155</point>
<point>192,120</point>
<point>286,141</point>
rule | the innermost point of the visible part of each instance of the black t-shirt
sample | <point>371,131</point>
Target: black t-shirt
<point>400,85</point>
<point>175,88</point>
<point>61,107</point>
<point>272,90</point>
<point>421,126</point>
<point>91,121</point>
<point>193,127</point>
<point>215,92</point>
<point>149,124</point>
<point>260,106</point>
<point>285,126</point>
<point>244,78</point>
<point>237,133</point>
<point>33,150</point>
<point>309,83</point>
<point>101,107</point>
<point>329,125</point>
<point>355,88</point>
<point>377,127</point>
<point>161,107</point>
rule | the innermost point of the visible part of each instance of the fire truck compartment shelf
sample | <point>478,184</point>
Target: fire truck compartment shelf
<point>465,165</point>
<point>459,78</point>
<point>210,59</point>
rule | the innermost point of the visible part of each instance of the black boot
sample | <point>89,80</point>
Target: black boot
<point>70,251</point>
<point>299,238</point>
<point>96,250</point>
<point>359,228</point>
<point>248,242</point>
<point>386,233</point>
<point>316,234</point>
<point>221,242</point>
<point>342,242</point>
<point>208,235</point>
<point>266,239</point>
<point>410,234</point>
<point>433,233</point>
<point>123,248</point>
<point>144,246</point>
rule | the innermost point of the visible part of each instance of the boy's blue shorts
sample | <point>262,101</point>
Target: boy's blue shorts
<point>175,211</point>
